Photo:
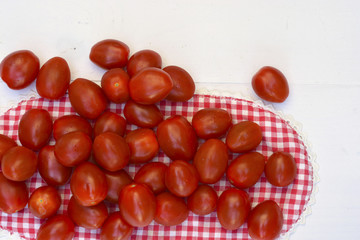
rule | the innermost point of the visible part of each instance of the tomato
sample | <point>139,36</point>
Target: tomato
<point>170,210</point>
<point>233,207</point>
<point>265,221</point>
<point>110,122</point>
<point>110,53</point>
<point>143,145</point>
<point>203,200</point>
<point>143,59</point>
<point>137,204</point>
<point>245,170</point>
<point>115,228</point>
<point>19,69</point>
<point>91,217</point>
<point>13,195</point>
<point>177,138</point>
<point>280,169</point>
<point>88,184</point>
<point>184,86</point>
<point>145,116</point>
<point>211,122</point>
<point>244,136</point>
<point>87,98</point>
<point>19,163</point>
<point>116,181</point>
<point>73,148</point>
<point>71,123</point>
<point>153,175</point>
<point>58,227</point>
<point>35,128</point>
<point>270,84</point>
<point>211,160</point>
<point>5,144</point>
<point>115,84</point>
<point>181,178</point>
<point>53,79</point>
<point>44,202</point>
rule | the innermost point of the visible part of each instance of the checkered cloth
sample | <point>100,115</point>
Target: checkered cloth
<point>278,135</point>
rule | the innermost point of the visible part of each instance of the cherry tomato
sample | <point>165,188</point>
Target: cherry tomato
<point>13,195</point>
<point>19,163</point>
<point>153,175</point>
<point>87,98</point>
<point>5,144</point>
<point>280,169</point>
<point>53,79</point>
<point>44,202</point>
<point>184,86</point>
<point>56,228</point>
<point>116,181</point>
<point>71,123</point>
<point>170,210</point>
<point>145,116</point>
<point>143,145</point>
<point>110,53</point>
<point>115,228</point>
<point>211,122</point>
<point>110,122</point>
<point>244,136</point>
<point>35,128</point>
<point>143,59</point>
<point>19,69</point>
<point>137,204</point>
<point>88,184</point>
<point>177,138</point>
<point>203,200</point>
<point>245,170</point>
<point>115,84</point>
<point>265,221</point>
<point>270,84</point>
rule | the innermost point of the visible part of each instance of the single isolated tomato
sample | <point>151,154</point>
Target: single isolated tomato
<point>44,202</point>
<point>116,181</point>
<point>71,123</point>
<point>153,175</point>
<point>280,169</point>
<point>184,86</point>
<point>110,122</point>
<point>145,116</point>
<point>5,144</point>
<point>55,228</point>
<point>203,200</point>
<point>13,195</point>
<point>243,137</point>
<point>170,210</point>
<point>143,59</point>
<point>115,228</point>
<point>115,84</point>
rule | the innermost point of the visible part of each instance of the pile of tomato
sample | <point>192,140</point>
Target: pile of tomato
<point>92,149</point>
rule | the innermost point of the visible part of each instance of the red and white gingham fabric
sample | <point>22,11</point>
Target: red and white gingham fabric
<point>278,135</point>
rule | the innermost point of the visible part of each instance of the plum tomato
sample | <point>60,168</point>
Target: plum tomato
<point>115,228</point>
<point>145,116</point>
<point>116,181</point>
<point>170,210</point>
<point>280,169</point>
<point>244,136</point>
<point>203,200</point>
<point>143,59</point>
<point>13,195</point>
<point>115,84</point>
<point>183,84</point>
<point>153,175</point>
<point>5,144</point>
<point>55,228</point>
<point>110,122</point>
<point>71,123</point>
<point>44,202</point>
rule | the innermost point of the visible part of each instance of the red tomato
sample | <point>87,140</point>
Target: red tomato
<point>137,204</point>
<point>143,59</point>
<point>244,136</point>
<point>56,228</point>
<point>177,138</point>
<point>184,86</point>
<point>233,207</point>
<point>88,184</point>
<point>143,145</point>
<point>73,148</point>
<point>145,116</point>
<point>19,69</point>
<point>19,163</point>
<point>115,84</point>
<point>71,123</point>
<point>245,170</point>
<point>53,79</point>
<point>35,128</point>
<point>115,228</point>
<point>170,210</point>
<point>44,202</point>
<point>280,169</point>
<point>203,200</point>
<point>110,122</point>
<point>270,84</point>
<point>5,144</point>
<point>265,221</point>
<point>91,217</point>
<point>110,53</point>
<point>116,181</point>
<point>13,195</point>
<point>211,122</point>
<point>153,175</point>
<point>87,98</point>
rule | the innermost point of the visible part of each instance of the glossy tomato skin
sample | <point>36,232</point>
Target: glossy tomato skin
<point>116,181</point>
<point>143,59</point>
<point>203,200</point>
<point>5,144</point>
<point>115,84</point>
<point>19,69</point>
<point>265,221</point>
<point>115,228</point>
<point>58,227</point>
<point>270,84</point>
<point>184,86</point>
<point>35,128</point>
<point>177,138</point>
<point>153,175</point>
<point>13,195</point>
<point>233,207</point>
<point>87,98</point>
<point>244,136</point>
<point>145,116</point>
<point>170,210</point>
<point>280,169</point>
<point>53,79</point>
<point>44,202</point>
<point>71,123</point>
<point>110,53</point>
<point>110,122</point>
